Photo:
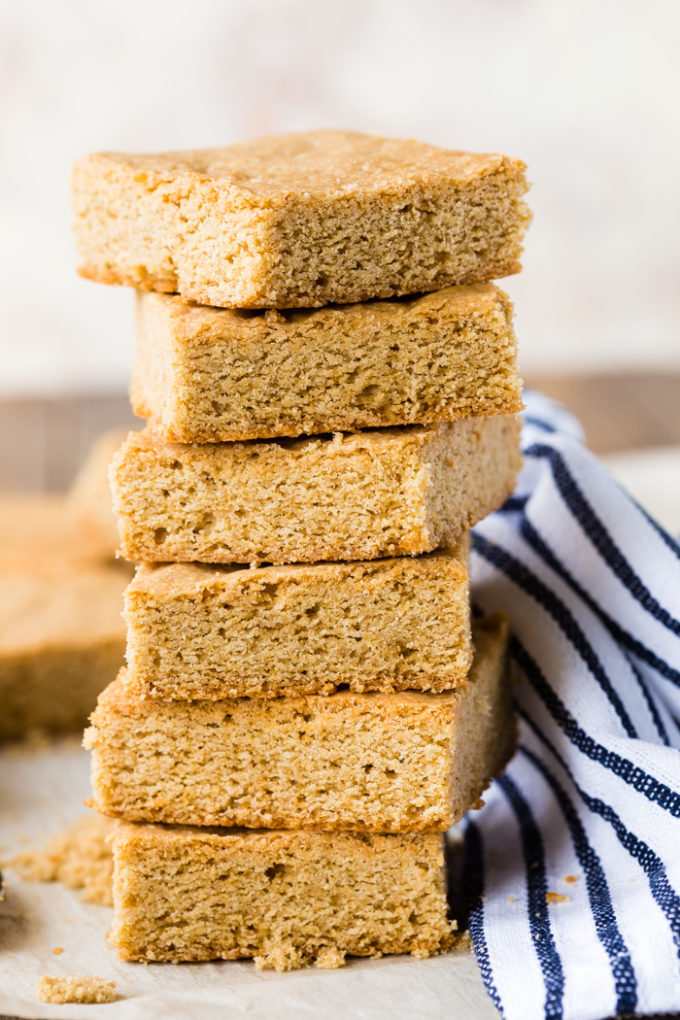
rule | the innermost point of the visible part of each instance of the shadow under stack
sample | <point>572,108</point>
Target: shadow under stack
<point>330,386</point>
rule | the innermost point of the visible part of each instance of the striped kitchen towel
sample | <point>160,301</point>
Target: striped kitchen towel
<point>572,867</point>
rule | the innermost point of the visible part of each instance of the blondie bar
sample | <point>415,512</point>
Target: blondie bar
<point>299,220</point>
<point>62,641</point>
<point>198,631</point>
<point>286,898</point>
<point>210,375</point>
<point>355,496</point>
<point>402,762</point>
<point>89,499</point>
<point>43,534</point>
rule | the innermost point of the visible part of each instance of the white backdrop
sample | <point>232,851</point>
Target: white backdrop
<point>587,91</point>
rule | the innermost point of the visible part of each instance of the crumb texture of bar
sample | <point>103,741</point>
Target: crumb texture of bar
<point>212,375</point>
<point>299,220</point>
<point>78,858</point>
<point>199,631</point>
<point>287,899</point>
<point>75,989</point>
<point>360,496</point>
<point>403,762</point>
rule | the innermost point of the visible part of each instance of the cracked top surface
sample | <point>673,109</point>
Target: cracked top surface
<point>320,164</point>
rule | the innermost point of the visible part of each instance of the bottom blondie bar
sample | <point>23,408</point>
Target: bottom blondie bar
<point>285,898</point>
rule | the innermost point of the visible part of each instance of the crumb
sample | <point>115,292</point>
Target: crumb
<point>75,989</point>
<point>58,950</point>
<point>557,897</point>
<point>280,957</point>
<point>570,878</point>
<point>511,898</point>
<point>463,941</point>
<point>79,858</point>
<point>478,805</point>
<point>330,958</point>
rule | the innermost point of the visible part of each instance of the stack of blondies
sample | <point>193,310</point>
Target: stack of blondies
<point>331,395</point>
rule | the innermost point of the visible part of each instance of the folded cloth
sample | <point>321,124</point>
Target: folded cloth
<point>573,865</point>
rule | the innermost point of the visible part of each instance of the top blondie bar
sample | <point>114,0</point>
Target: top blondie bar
<point>299,220</point>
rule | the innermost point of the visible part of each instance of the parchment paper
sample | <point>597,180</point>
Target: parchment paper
<point>41,792</point>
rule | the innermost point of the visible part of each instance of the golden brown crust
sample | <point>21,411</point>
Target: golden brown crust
<point>319,164</point>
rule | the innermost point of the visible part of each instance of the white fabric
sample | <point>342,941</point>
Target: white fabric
<point>592,589</point>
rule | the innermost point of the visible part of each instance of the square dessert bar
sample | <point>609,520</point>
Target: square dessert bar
<point>299,220</point>
<point>401,762</point>
<point>62,640</point>
<point>43,533</point>
<point>215,375</point>
<point>198,631</point>
<point>89,499</point>
<point>356,496</point>
<point>286,898</point>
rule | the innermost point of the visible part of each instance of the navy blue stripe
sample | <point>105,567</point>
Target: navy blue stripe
<point>514,503</point>
<point>662,891</point>
<point>664,535</point>
<point>599,536</point>
<point>623,636</point>
<point>652,789</point>
<point>554,416</point>
<point>537,886</point>
<point>623,768</point>
<point>651,705</point>
<point>473,881</point>
<point>532,419</point>
<point>524,578</point>
<point>604,918</point>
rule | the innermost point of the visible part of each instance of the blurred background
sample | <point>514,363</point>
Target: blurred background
<point>586,91</point>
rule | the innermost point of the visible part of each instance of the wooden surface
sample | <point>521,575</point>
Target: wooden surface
<point>44,440</point>
<point>620,411</point>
